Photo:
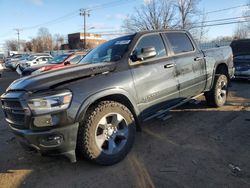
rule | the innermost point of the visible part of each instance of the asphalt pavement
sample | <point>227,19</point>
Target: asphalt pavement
<point>198,146</point>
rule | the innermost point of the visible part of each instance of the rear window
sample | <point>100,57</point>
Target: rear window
<point>180,42</point>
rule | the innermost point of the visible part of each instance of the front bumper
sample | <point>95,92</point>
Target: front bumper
<point>57,138</point>
<point>58,141</point>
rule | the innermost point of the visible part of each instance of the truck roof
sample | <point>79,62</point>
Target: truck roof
<point>160,31</point>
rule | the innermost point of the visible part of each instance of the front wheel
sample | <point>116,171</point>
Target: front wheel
<point>107,133</point>
<point>217,96</point>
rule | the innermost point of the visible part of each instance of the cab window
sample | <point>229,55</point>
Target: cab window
<point>180,42</point>
<point>151,41</point>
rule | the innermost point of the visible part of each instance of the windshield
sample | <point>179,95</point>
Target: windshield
<point>112,50</point>
<point>31,58</point>
<point>58,59</point>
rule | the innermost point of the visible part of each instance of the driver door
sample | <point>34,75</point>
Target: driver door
<point>154,78</point>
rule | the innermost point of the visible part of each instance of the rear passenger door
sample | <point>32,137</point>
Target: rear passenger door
<point>190,64</point>
<point>154,78</point>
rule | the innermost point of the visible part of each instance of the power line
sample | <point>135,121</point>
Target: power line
<point>116,3</point>
<point>224,19</point>
<point>219,24</point>
<point>105,5</point>
<point>226,9</point>
<point>85,13</point>
<point>109,4</point>
<point>57,20</point>
<point>6,34</point>
<point>197,26</point>
<point>75,14</point>
<point>18,38</point>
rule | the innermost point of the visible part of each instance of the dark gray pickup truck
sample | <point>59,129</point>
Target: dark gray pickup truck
<point>92,110</point>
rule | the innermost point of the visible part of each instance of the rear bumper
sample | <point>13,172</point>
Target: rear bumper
<point>59,141</point>
<point>242,74</point>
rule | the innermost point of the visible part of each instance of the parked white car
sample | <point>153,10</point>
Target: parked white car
<point>15,62</point>
<point>1,69</point>
<point>34,60</point>
<point>9,60</point>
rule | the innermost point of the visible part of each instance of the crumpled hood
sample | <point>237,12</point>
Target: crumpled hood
<point>49,79</point>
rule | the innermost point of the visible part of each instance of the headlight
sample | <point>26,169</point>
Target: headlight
<point>53,103</point>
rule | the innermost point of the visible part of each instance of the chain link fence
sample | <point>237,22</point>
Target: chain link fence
<point>208,45</point>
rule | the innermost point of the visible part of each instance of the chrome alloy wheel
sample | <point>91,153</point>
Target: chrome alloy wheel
<point>222,91</point>
<point>111,133</point>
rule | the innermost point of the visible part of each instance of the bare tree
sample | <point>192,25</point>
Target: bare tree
<point>220,40</point>
<point>36,45</point>
<point>200,31</point>
<point>11,45</point>
<point>27,46</point>
<point>186,10</point>
<point>247,13</point>
<point>43,41</point>
<point>241,31</point>
<point>45,38</point>
<point>58,41</point>
<point>153,15</point>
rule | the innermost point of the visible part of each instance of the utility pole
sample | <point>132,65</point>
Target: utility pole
<point>84,13</point>
<point>18,38</point>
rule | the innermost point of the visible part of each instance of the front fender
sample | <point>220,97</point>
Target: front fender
<point>101,94</point>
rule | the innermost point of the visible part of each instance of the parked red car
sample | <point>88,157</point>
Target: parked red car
<point>57,62</point>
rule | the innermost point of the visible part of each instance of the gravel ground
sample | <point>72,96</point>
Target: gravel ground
<point>198,147</point>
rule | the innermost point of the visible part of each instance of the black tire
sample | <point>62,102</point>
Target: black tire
<point>87,144</point>
<point>217,96</point>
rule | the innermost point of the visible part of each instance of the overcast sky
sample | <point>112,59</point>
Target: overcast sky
<point>32,14</point>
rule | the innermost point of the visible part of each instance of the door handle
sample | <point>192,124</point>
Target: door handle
<point>167,66</point>
<point>198,58</point>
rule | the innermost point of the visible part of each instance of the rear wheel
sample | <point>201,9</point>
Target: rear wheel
<point>107,133</point>
<point>217,96</point>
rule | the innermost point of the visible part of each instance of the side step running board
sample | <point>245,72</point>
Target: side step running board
<point>162,113</point>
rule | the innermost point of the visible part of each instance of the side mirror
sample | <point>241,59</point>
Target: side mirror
<point>146,53</point>
<point>67,63</point>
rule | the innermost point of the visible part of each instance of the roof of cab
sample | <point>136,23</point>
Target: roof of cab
<point>161,31</point>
